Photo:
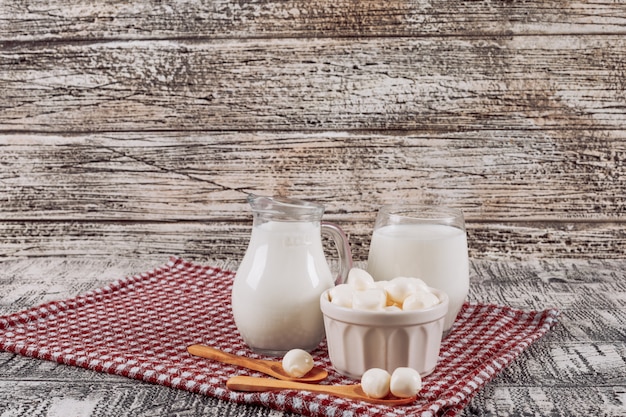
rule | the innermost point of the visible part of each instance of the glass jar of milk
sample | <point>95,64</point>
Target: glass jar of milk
<point>427,242</point>
<point>277,287</point>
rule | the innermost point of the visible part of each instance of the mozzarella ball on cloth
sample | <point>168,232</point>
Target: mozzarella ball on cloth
<point>375,383</point>
<point>297,363</point>
<point>405,382</point>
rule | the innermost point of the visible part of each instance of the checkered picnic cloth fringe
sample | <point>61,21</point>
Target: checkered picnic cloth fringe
<point>140,326</point>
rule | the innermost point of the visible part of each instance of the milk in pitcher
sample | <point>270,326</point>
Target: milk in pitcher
<point>278,286</point>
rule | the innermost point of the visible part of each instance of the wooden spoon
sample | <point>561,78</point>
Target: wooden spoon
<point>271,368</point>
<point>354,392</point>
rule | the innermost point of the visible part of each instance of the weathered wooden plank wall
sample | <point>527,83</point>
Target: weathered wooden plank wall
<point>146,124</point>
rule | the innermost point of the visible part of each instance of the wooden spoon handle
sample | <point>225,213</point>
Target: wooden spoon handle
<point>354,392</point>
<point>212,353</point>
<point>254,384</point>
<point>224,357</point>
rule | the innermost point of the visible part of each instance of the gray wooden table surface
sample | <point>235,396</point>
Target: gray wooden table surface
<point>132,131</point>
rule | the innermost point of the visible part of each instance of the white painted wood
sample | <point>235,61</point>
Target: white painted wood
<point>381,83</point>
<point>521,193</point>
<point>108,19</point>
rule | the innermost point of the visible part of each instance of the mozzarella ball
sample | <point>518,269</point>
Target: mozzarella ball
<point>360,279</point>
<point>420,284</point>
<point>341,295</point>
<point>375,383</point>
<point>400,288</point>
<point>380,284</point>
<point>405,382</point>
<point>420,300</point>
<point>373,299</point>
<point>297,363</point>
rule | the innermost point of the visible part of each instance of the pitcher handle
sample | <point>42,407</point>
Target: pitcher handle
<point>343,248</point>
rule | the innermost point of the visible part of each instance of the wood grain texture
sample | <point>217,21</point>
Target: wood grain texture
<point>575,370</point>
<point>293,84</point>
<point>523,195</point>
<point>229,240</point>
<point>529,401</point>
<point>497,175</point>
<point>84,19</point>
<point>113,396</point>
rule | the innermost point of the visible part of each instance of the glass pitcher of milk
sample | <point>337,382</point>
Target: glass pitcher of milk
<point>277,287</point>
<point>427,242</point>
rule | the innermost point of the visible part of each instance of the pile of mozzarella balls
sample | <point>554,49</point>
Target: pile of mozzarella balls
<point>375,382</point>
<point>361,292</point>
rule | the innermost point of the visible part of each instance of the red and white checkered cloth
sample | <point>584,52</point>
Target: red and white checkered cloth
<point>140,327</point>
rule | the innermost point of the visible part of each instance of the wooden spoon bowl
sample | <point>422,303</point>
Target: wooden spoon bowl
<point>271,368</point>
<point>354,392</point>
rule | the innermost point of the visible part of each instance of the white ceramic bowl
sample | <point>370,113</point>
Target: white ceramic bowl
<point>359,340</point>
